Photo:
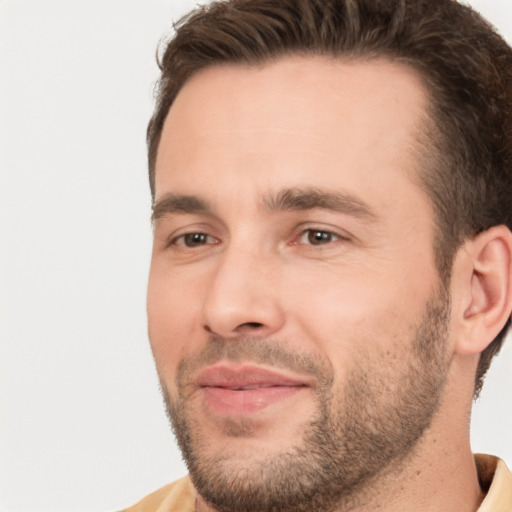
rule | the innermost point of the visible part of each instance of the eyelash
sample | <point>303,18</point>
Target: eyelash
<point>325,237</point>
<point>183,237</point>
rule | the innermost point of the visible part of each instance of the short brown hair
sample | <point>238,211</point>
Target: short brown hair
<point>465,64</point>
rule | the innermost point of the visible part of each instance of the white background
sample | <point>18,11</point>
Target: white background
<point>82,424</point>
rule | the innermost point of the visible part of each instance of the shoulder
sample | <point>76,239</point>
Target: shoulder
<point>176,497</point>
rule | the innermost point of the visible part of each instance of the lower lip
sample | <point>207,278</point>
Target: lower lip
<point>229,402</point>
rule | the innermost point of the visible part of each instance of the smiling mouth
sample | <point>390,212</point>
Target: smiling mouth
<point>254,386</point>
<point>242,390</point>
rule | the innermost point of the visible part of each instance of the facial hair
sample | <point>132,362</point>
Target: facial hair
<point>360,429</point>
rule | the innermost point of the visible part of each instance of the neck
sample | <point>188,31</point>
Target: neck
<point>439,476</point>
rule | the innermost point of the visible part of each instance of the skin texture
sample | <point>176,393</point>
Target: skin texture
<point>290,236</point>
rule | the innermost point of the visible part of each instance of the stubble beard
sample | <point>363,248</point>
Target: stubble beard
<point>358,433</point>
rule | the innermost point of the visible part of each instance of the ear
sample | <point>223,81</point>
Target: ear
<point>481,289</point>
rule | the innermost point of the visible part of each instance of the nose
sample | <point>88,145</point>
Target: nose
<point>243,298</point>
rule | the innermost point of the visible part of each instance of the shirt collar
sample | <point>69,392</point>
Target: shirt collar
<point>496,479</point>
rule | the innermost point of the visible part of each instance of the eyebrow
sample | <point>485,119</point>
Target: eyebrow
<point>298,199</point>
<point>174,203</point>
<point>290,199</point>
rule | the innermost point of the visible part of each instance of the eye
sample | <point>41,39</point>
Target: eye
<point>317,237</point>
<point>193,240</point>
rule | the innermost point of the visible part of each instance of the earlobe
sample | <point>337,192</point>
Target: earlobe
<point>485,281</point>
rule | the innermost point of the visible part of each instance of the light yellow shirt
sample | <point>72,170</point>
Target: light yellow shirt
<point>494,476</point>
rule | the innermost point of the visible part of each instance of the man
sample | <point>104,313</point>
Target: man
<point>332,262</point>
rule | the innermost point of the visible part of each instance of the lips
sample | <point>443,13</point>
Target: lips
<point>241,390</point>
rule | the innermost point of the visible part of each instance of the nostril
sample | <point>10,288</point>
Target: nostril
<point>251,325</point>
<point>241,330</point>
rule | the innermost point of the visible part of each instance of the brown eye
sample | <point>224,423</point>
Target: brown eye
<point>317,237</point>
<point>194,239</point>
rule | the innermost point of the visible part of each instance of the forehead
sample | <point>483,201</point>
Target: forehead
<point>298,119</point>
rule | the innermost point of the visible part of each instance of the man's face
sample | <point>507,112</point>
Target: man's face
<point>295,313</point>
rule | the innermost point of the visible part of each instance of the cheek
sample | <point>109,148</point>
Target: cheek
<point>347,314</point>
<point>173,312</point>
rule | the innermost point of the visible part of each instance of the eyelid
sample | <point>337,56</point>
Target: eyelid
<point>333,237</point>
<point>175,238</point>
<point>338,234</point>
<point>172,230</point>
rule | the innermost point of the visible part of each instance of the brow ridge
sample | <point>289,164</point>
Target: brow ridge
<point>298,199</point>
<point>290,199</point>
<point>178,203</point>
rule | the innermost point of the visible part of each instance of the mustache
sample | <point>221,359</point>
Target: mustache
<point>257,351</point>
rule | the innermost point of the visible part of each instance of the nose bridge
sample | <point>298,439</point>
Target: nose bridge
<point>242,298</point>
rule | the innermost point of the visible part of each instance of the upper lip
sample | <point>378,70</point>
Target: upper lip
<point>244,376</point>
